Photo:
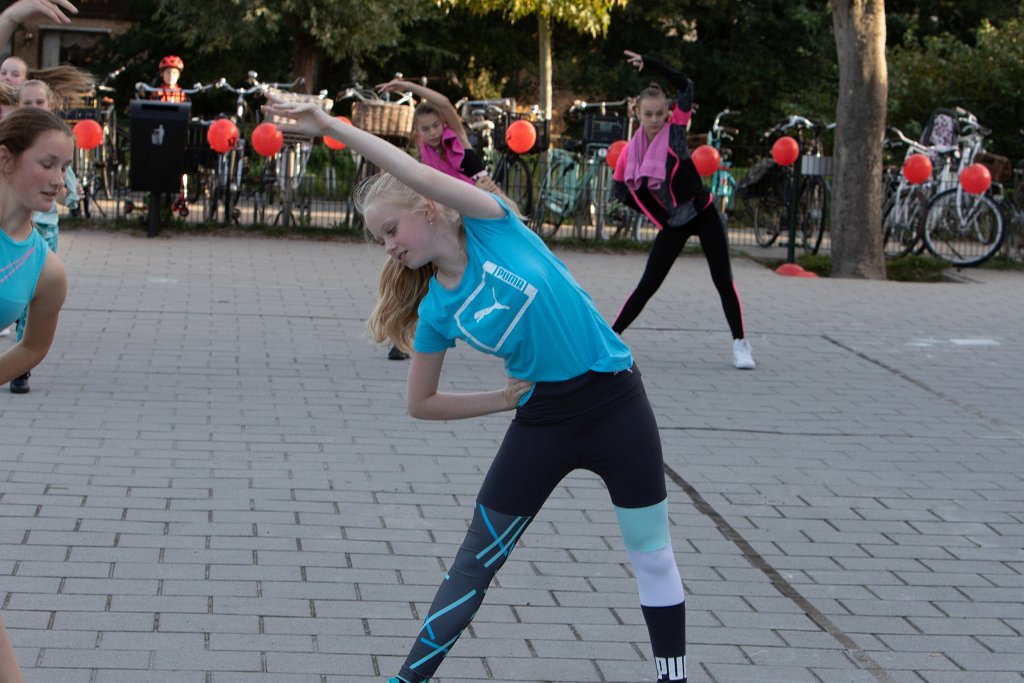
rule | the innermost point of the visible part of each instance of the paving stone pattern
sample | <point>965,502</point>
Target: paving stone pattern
<point>213,480</point>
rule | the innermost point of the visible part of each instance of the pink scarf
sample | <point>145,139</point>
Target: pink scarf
<point>453,155</point>
<point>647,159</point>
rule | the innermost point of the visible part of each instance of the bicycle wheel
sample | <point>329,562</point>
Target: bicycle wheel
<point>767,213</point>
<point>901,224</point>
<point>513,176</point>
<point>723,186</point>
<point>810,213</point>
<point>963,229</point>
<point>560,187</point>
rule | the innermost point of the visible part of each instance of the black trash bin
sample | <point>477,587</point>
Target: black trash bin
<point>159,135</point>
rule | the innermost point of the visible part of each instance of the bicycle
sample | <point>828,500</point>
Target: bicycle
<point>769,208</point>
<point>723,184</point>
<point>488,120</point>
<point>102,167</point>
<point>224,184</point>
<point>285,173</point>
<point>961,228</point>
<point>576,181</point>
<point>904,203</point>
<point>1013,208</point>
<point>372,113</point>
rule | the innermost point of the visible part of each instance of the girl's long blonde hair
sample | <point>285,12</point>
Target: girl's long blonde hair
<point>401,289</point>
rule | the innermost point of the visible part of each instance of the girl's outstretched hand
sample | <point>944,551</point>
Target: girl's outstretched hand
<point>57,10</point>
<point>634,59</point>
<point>307,119</point>
<point>517,388</point>
<point>394,85</point>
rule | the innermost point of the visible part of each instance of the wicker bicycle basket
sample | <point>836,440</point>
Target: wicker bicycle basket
<point>383,118</point>
<point>324,102</point>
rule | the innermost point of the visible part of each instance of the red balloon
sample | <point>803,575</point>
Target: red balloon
<point>267,140</point>
<point>917,168</point>
<point>88,134</point>
<point>706,159</point>
<point>615,150</point>
<point>785,150</point>
<point>222,135</point>
<point>521,136</point>
<point>975,179</point>
<point>331,142</point>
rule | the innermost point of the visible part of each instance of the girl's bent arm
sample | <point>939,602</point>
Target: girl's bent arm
<point>41,327</point>
<point>426,403</point>
<point>312,121</point>
<point>441,103</point>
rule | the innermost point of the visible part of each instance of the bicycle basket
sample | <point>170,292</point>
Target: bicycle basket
<point>383,118</point>
<point>286,96</point>
<point>760,181</point>
<point>997,165</point>
<point>942,129</point>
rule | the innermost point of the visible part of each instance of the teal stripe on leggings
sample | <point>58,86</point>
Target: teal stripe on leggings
<point>644,529</point>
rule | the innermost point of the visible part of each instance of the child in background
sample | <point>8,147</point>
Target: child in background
<point>655,175</point>
<point>443,142</point>
<point>34,93</point>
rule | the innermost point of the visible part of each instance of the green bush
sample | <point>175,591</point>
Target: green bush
<point>915,268</point>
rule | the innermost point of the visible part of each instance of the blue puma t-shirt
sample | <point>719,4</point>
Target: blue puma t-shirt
<point>517,301</point>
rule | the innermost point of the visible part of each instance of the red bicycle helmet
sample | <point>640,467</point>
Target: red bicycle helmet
<point>172,61</point>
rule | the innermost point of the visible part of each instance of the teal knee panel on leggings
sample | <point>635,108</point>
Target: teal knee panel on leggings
<point>644,529</point>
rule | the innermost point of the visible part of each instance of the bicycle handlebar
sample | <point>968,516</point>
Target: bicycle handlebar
<point>141,88</point>
<point>920,147</point>
<point>580,105</point>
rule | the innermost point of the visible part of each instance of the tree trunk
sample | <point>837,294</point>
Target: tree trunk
<point>544,41</point>
<point>860,127</point>
<point>306,60</point>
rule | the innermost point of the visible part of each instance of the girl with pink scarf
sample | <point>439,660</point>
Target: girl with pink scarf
<point>656,176</point>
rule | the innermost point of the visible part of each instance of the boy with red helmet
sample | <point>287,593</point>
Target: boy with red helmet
<point>171,67</point>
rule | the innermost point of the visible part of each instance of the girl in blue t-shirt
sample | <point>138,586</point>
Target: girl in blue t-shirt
<point>464,267</point>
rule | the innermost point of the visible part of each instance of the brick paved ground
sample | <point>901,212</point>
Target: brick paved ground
<point>213,480</point>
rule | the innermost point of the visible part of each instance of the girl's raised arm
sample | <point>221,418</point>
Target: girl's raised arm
<point>312,121</point>
<point>441,103</point>
<point>18,12</point>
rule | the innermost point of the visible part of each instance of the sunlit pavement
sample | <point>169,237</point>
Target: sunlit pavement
<point>213,480</point>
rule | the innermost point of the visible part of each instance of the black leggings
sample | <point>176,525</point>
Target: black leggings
<point>669,242</point>
<point>600,422</point>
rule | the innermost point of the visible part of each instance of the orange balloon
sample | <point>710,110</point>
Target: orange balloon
<point>615,150</point>
<point>521,136</point>
<point>88,134</point>
<point>785,150</point>
<point>917,168</point>
<point>331,142</point>
<point>267,140</point>
<point>222,135</point>
<point>976,179</point>
<point>706,159</point>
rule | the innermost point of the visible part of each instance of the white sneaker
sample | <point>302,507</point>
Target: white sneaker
<point>741,354</point>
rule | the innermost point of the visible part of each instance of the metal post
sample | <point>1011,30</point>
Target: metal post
<point>153,228</point>
<point>794,190</point>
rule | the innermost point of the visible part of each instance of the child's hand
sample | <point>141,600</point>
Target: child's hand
<point>307,119</point>
<point>517,388</point>
<point>394,85</point>
<point>634,59</point>
<point>23,10</point>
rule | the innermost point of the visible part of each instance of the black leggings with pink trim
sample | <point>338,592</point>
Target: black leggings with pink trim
<point>710,230</point>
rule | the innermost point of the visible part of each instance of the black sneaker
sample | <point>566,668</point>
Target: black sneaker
<point>394,354</point>
<point>19,385</point>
